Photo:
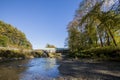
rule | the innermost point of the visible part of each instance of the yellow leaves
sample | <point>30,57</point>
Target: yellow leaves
<point>15,36</point>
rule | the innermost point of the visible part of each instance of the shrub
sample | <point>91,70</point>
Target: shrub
<point>37,53</point>
<point>104,53</point>
<point>12,54</point>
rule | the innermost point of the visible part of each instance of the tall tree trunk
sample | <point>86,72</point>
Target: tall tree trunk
<point>112,36</point>
<point>101,40</point>
<point>96,42</point>
<point>108,39</point>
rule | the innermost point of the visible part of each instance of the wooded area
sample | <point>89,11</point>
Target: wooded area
<point>12,37</point>
<point>96,25</point>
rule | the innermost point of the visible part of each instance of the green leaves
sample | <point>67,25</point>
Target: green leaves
<point>50,46</point>
<point>12,37</point>
<point>4,41</point>
<point>95,27</point>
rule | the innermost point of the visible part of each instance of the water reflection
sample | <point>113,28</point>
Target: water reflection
<point>33,69</point>
<point>41,68</point>
<point>10,70</point>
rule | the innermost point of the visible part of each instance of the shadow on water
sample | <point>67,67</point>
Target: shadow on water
<point>33,69</point>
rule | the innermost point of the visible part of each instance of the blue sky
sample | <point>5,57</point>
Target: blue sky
<point>43,21</point>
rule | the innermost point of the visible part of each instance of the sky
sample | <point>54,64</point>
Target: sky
<point>43,21</point>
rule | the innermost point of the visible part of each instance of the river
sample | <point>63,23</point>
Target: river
<point>31,69</point>
<point>47,69</point>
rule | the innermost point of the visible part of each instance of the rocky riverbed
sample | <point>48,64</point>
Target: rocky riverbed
<point>87,69</point>
<point>59,69</point>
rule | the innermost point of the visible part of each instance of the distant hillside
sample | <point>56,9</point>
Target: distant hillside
<point>12,37</point>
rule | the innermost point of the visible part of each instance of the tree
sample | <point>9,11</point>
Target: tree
<point>73,38</point>
<point>13,37</point>
<point>106,22</point>
<point>50,46</point>
<point>4,41</point>
<point>94,24</point>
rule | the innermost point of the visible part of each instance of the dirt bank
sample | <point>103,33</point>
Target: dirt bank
<point>87,69</point>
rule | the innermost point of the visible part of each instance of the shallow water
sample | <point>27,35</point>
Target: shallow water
<point>33,69</point>
<point>47,69</point>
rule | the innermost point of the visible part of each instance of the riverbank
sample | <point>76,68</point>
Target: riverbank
<point>18,54</point>
<point>88,69</point>
<point>30,69</point>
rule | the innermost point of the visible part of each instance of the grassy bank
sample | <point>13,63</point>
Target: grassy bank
<point>6,54</point>
<point>104,53</point>
<point>18,54</point>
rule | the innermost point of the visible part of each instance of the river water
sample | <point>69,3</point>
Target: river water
<point>47,69</point>
<point>32,69</point>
